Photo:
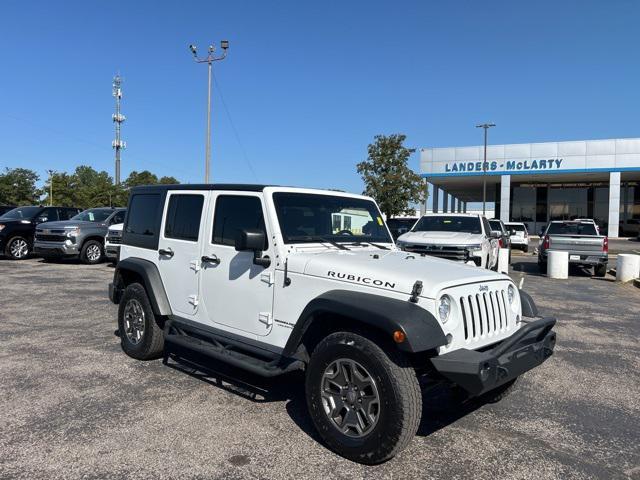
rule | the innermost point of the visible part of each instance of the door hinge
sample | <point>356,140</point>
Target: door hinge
<point>267,277</point>
<point>194,265</point>
<point>265,317</point>
<point>193,300</point>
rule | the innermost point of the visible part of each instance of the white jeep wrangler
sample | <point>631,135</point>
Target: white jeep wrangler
<point>274,279</point>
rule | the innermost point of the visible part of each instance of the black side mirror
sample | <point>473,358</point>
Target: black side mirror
<point>253,240</point>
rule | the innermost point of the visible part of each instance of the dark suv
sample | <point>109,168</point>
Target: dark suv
<point>18,226</point>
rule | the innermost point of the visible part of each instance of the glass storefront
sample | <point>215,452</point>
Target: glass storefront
<point>537,204</point>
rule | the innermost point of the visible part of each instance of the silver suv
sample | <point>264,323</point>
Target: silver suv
<point>82,236</point>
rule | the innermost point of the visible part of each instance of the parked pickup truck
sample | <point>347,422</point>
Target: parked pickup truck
<point>581,239</point>
<point>463,237</point>
<point>82,236</point>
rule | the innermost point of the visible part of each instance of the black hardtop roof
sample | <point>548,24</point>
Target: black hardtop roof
<point>243,187</point>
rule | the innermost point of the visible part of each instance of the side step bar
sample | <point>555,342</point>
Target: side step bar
<point>178,341</point>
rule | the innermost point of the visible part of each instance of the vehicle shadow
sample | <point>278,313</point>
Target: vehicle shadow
<point>441,404</point>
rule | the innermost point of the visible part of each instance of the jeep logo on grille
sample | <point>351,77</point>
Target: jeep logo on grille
<point>484,288</point>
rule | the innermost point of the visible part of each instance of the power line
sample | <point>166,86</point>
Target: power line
<point>235,130</point>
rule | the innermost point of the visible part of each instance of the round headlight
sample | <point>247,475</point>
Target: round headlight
<point>511,293</point>
<point>444,308</point>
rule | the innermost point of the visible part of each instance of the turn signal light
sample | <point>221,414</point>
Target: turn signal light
<point>399,336</point>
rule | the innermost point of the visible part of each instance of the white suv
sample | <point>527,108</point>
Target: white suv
<point>275,279</point>
<point>465,237</point>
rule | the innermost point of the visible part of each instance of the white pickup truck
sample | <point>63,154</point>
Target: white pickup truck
<point>464,237</point>
<point>273,279</point>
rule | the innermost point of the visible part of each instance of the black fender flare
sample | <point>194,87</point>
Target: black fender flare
<point>422,330</point>
<point>529,308</point>
<point>150,275</point>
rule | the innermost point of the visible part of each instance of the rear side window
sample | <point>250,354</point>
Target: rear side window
<point>183,217</point>
<point>66,214</point>
<point>143,220</point>
<point>234,213</point>
<point>118,217</point>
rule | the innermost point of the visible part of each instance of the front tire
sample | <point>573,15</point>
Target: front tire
<point>364,399</point>
<point>140,335</point>
<point>91,252</point>
<point>17,248</point>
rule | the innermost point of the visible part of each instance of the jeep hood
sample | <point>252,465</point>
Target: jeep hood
<point>392,270</point>
<point>441,238</point>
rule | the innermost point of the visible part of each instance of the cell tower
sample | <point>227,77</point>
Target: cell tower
<point>118,118</point>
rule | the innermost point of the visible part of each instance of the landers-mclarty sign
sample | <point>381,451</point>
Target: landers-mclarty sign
<point>542,165</point>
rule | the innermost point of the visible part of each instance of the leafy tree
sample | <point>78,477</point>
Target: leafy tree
<point>388,178</point>
<point>18,187</point>
<point>144,177</point>
<point>168,181</point>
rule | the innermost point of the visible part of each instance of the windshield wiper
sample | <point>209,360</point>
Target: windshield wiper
<point>319,238</point>
<point>360,242</point>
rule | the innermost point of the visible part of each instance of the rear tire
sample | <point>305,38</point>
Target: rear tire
<point>17,248</point>
<point>526,249</point>
<point>92,252</point>
<point>600,270</point>
<point>140,335</point>
<point>387,419</point>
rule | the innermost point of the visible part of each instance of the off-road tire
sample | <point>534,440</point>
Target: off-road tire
<point>398,389</point>
<point>151,345</point>
<point>497,394</point>
<point>85,249</point>
<point>7,248</point>
<point>600,270</point>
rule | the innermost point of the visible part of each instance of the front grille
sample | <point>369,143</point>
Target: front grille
<point>114,239</point>
<point>484,313</point>
<point>50,238</point>
<point>441,251</point>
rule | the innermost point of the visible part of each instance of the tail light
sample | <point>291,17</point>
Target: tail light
<point>605,245</point>
<point>500,243</point>
<point>547,242</point>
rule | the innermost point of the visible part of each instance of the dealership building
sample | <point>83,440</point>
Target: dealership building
<point>535,183</point>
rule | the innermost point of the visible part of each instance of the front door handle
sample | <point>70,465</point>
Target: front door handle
<point>213,259</point>
<point>166,252</point>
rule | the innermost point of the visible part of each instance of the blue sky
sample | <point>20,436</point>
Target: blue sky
<point>308,84</point>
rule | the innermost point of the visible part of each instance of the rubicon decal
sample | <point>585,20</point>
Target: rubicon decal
<point>356,278</point>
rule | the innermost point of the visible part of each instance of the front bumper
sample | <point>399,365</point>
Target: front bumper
<point>112,251</point>
<point>479,372</point>
<point>48,249</point>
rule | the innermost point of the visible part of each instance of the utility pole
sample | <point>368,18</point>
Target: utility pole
<point>486,127</point>
<point>51,172</point>
<point>209,59</point>
<point>118,118</point>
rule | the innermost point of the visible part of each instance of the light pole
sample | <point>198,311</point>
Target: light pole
<point>51,172</point>
<point>486,127</point>
<point>209,59</point>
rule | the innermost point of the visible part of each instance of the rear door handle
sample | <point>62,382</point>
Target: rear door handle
<point>213,259</point>
<point>166,252</point>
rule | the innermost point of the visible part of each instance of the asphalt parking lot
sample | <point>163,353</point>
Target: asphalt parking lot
<point>74,406</point>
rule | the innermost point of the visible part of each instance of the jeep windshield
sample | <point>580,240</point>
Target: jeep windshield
<point>312,218</point>
<point>21,213</point>
<point>443,223</point>
<point>93,215</point>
